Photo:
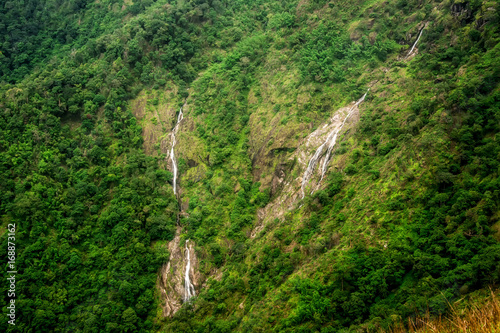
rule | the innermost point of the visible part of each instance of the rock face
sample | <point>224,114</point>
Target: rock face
<point>288,181</point>
<point>461,9</point>
<point>163,134</point>
<point>172,275</point>
<point>156,122</point>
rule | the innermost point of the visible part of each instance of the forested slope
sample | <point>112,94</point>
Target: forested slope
<point>404,221</point>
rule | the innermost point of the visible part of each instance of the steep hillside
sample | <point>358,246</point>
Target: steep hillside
<point>405,218</point>
<point>251,166</point>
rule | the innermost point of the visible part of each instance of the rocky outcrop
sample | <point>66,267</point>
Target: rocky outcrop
<point>413,49</point>
<point>164,132</point>
<point>156,122</point>
<point>288,175</point>
<point>172,275</point>
<point>461,9</point>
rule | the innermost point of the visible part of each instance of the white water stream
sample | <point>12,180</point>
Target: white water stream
<point>312,164</point>
<point>333,140</point>
<point>415,44</point>
<point>172,155</point>
<point>189,291</point>
<point>329,143</point>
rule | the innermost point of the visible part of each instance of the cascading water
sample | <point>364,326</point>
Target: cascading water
<point>415,44</point>
<point>189,291</point>
<point>329,143</point>
<point>333,140</point>
<point>312,164</point>
<point>172,155</point>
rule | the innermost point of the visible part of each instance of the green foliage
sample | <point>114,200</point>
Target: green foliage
<point>83,221</point>
<point>328,51</point>
<point>405,225</point>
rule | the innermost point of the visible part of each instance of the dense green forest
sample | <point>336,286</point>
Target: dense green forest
<point>404,223</point>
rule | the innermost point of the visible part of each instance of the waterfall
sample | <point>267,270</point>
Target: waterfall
<point>189,291</point>
<point>172,155</point>
<point>415,44</point>
<point>333,140</point>
<point>312,164</point>
<point>329,143</point>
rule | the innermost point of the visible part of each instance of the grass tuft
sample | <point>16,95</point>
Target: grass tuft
<point>476,318</point>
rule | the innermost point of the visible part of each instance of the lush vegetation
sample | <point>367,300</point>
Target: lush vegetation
<point>404,224</point>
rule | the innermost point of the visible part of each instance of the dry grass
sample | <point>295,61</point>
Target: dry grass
<point>477,318</point>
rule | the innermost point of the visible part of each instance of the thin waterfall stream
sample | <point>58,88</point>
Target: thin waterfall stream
<point>329,143</point>
<point>333,140</point>
<point>312,164</point>
<point>172,154</point>
<point>415,44</point>
<point>189,291</point>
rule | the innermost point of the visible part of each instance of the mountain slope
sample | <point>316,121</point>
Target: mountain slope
<point>397,228</point>
<point>403,222</point>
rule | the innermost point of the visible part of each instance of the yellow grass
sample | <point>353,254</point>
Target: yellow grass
<point>477,318</point>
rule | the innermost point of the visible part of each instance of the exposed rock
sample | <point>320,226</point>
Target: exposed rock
<point>156,121</point>
<point>171,276</point>
<point>184,204</point>
<point>370,23</point>
<point>461,9</point>
<point>286,183</point>
<point>278,177</point>
<point>414,50</point>
<point>355,35</point>
<point>237,188</point>
<point>355,30</point>
<point>191,163</point>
